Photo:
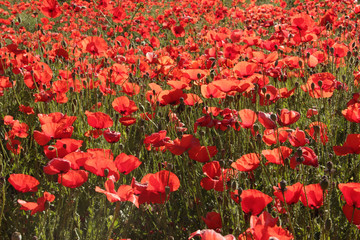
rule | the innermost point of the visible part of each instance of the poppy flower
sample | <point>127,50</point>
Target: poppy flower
<point>266,120</point>
<point>287,117</point>
<point>124,193</point>
<point>118,14</point>
<point>100,160</point>
<point>23,182</point>
<point>318,130</point>
<point>352,113</point>
<point>94,45</point>
<point>272,136</point>
<point>215,176</point>
<point>351,146</point>
<point>292,193</point>
<point>351,193</point>
<point>253,201</point>
<point>124,105</point>
<point>320,85</point>
<point>297,138</point>
<point>267,232</point>
<point>37,206</point>
<point>62,147</point>
<point>127,121</point>
<point>126,163</point>
<point>308,157</point>
<point>111,136</point>
<point>211,91</point>
<point>248,118</point>
<point>352,214</point>
<point>244,69</point>
<point>77,159</point>
<point>277,155</point>
<point>171,97</point>
<point>178,31</point>
<point>178,147</point>
<point>311,112</point>
<point>247,162</point>
<point>26,109</point>
<point>50,8</point>
<point>57,165</point>
<point>313,196</point>
<point>73,178</point>
<point>98,119</point>
<point>210,234</point>
<point>202,153</point>
<point>212,220</point>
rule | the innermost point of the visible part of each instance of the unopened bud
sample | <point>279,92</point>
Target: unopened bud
<point>324,183</point>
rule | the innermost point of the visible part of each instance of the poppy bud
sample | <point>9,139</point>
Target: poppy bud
<point>276,62</point>
<point>258,137</point>
<point>300,159</point>
<point>348,54</point>
<point>16,236</point>
<point>169,166</point>
<point>332,50</point>
<point>297,84</point>
<point>316,129</point>
<point>320,83</point>
<point>239,192</point>
<point>273,117</point>
<point>328,224</point>
<point>198,75</point>
<point>324,183</point>
<point>312,86</point>
<point>167,190</point>
<point>300,63</point>
<point>233,185</point>
<point>222,163</point>
<point>308,55</point>
<point>283,184</point>
<point>329,165</point>
<point>255,127</point>
<point>299,152</point>
<point>267,96</point>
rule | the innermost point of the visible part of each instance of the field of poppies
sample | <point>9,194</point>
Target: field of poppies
<point>209,119</point>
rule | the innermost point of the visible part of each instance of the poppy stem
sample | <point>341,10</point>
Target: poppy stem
<point>116,214</point>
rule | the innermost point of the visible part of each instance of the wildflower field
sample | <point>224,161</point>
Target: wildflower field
<point>209,119</point>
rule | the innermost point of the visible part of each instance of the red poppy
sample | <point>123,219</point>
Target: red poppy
<point>210,234</point>
<point>26,109</point>
<point>124,193</point>
<point>266,120</point>
<point>292,193</point>
<point>124,105</point>
<point>352,113</point>
<point>272,136</point>
<point>267,232</point>
<point>98,119</point>
<point>211,91</point>
<point>247,162</point>
<point>311,112</point>
<point>297,138</point>
<point>37,206</point>
<point>313,196</point>
<point>277,155</point>
<point>23,182</point>
<point>287,117</point>
<point>178,147</point>
<point>77,159</point>
<point>202,153</point>
<point>319,133</point>
<point>178,31</point>
<point>50,8</point>
<point>130,89</point>
<point>215,176</point>
<point>171,97</point>
<point>127,121</point>
<point>351,146</point>
<point>254,201</point>
<point>352,214</point>
<point>94,45</point>
<point>320,85</point>
<point>118,14</point>
<point>73,178</point>
<point>111,136</point>
<point>351,193</point>
<point>244,69</point>
<point>57,165</point>
<point>126,163</point>
<point>212,220</point>
<point>62,147</point>
<point>100,160</point>
<point>248,118</point>
<point>156,139</point>
<point>308,157</point>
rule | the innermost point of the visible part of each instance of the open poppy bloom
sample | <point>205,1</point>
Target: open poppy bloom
<point>210,234</point>
<point>247,162</point>
<point>126,163</point>
<point>351,145</point>
<point>73,178</point>
<point>124,193</point>
<point>291,193</point>
<point>98,119</point>
<point>277,155</point>
<point>312,197</point>
<point>318,131</point>
<point>352,113</point>
<point>352,214</point>
<point>253,201</point>
<point>202,153</point>
<point>124,105</point>
<point>213,220</point>
<point>215,176</point>
<point>308,157</point>
<point>57,165</point>
<point>351,193</point>
<point>94,45</point>
<point>178,147</point>
<point>37,206</point>
<point>50,8</point>
<point>23,182</point>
